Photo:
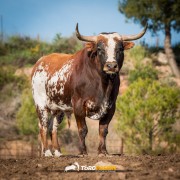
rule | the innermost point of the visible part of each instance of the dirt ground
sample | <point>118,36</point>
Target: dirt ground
<point>128,167</point>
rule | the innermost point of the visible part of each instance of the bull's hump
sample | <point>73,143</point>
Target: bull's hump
<point>54,62</point>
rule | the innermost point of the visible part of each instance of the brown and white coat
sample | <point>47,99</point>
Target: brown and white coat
<point>85,83</point>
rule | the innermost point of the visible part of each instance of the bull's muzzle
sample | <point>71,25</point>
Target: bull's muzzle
<point>111,67</point>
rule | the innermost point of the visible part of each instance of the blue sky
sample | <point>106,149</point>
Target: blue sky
<point>46,18</point>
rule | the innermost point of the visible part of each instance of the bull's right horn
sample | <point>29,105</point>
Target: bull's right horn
<point>85,38</point>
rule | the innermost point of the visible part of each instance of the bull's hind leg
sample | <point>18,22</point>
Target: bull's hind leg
<point>43,124</point>
<point>53,133</point>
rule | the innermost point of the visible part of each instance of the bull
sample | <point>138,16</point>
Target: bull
<point>85,83</point>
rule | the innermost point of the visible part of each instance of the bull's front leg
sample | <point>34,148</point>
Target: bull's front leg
<point>80,114</point>
<point>103,131</point>
<point>82,129</point>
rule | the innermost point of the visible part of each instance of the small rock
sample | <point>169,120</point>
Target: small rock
<point>122,175</point>
<point>170,170</point>
<point>120,167</point>
<point>162,59</point>
<point>39,165</point>
<point>147,61</point>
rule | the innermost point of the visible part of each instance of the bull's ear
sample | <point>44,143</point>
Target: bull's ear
<point>90,46</point>
<point>128,45</point>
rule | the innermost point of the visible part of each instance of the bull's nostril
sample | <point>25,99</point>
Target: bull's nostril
<point>111,66</point>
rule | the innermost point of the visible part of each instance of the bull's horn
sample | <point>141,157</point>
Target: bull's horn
<point>85,38</point>
<point>134,37</point>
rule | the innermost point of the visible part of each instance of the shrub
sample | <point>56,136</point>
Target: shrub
<point>138,53</point>
<point>27,121</point>
<point>25,57</point>
<point>16,43</point>
<point>22,51</point>
<point>146,113</point>
<point>143,72</point>
<point>7,76</point>
<point>3,49</point>
<point>66,45</point>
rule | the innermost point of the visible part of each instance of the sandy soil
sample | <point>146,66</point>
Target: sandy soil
<point>129,167</point>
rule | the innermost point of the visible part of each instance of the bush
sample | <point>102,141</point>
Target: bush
<point>66,45</point>
<point>3,49</point>
<point>7,76</point>
<point>16,43</point>
<point>147,112</point>
<point>22,51</point>
<point>138,53</point>
<point>143,72</point>
<point>27,121</point>
<point>25,57</point>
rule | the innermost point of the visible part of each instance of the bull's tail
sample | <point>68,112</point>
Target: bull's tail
<point>69,123</point>
<point>68,115</point>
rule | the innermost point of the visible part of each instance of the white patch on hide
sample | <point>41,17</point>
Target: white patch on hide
<point>103,110</point>
<point>62,75</point>
<point>39,80</point>
<point>38,86</point>
<point>110,46</point>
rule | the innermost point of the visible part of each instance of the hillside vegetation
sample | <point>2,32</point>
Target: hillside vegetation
<point>148,111</point>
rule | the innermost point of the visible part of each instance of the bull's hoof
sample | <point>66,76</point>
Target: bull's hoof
<point>57,153</point>
<point>48,153</point>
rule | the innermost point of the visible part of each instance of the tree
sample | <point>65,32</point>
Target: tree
<point>160,15</point>
<point>147,113</point>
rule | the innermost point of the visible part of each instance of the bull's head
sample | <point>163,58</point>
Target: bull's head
<point>110,48</point>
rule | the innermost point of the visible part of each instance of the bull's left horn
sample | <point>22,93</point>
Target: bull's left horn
<point>134,37</point>
<point>85,38</point>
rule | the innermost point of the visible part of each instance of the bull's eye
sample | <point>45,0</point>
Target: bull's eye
<point>100,51</point>
<point>119,50</point>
